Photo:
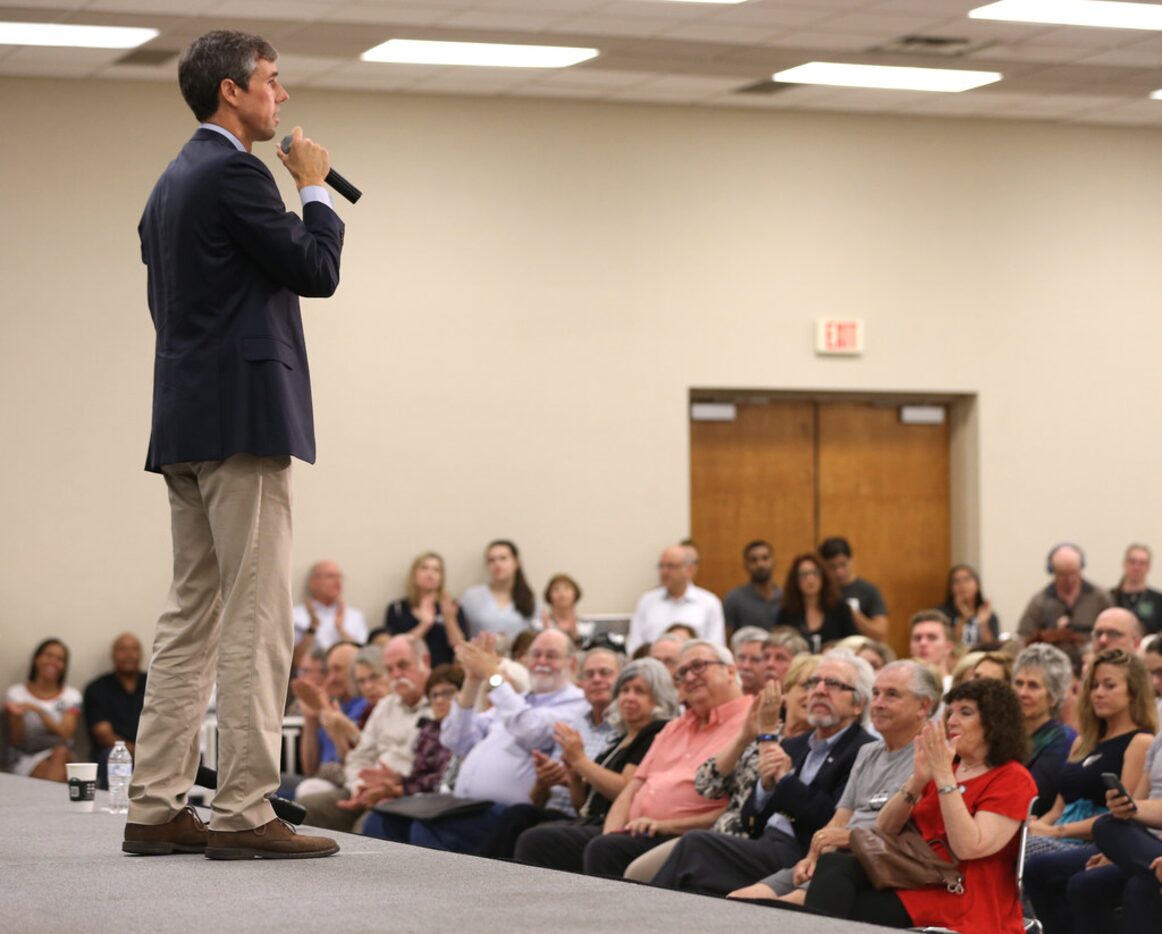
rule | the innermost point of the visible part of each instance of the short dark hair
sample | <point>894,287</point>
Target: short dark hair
<point>563,579</point>
<point>834,547</point>
<point>1000,718</point>
<point>757,543</point>
<point>444,674</point>
<point>36,653</point>
<point>214,57</point>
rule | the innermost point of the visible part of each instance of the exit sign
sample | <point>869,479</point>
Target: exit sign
<point>842,336</point>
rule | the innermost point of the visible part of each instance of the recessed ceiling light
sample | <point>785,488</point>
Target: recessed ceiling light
<point>889,77</point>
<point>489,54</point>
<point>1107,13</point>
<point>73,36</point>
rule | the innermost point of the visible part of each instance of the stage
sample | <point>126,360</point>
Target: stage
<point>64,871</point>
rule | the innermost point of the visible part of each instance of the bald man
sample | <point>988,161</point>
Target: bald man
<point>677,600</point>
<point>324,617</point>
<point>113,703</point>
<point>1117,628</point>
<point>1069,602</point>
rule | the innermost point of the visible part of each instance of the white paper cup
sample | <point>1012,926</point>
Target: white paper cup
<point>82,785</point>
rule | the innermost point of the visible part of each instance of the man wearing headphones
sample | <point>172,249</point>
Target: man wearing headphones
<point>1070,601</point>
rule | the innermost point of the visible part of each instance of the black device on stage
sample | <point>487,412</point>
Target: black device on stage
<point>286,809</point>
<point>334,179</point>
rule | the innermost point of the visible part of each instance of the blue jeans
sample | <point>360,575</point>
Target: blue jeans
<point>1046,877</point>
<point>460,834</point>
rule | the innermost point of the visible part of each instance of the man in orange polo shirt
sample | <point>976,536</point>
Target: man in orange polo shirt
<point>660,802</point>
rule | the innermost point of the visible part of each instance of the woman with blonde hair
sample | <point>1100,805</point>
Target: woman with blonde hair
<point>427,612</point>
<point>795,694</point>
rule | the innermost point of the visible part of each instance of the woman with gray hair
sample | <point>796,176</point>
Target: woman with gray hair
<point>644,701</point>
<point>1042,676</point>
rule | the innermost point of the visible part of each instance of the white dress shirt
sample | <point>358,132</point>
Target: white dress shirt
<point>657,611</point>
<point>328,633</point>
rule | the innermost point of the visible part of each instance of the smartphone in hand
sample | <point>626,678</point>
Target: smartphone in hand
<point>1113,783</point>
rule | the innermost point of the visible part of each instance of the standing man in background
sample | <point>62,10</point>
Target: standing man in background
<point>231,405</point>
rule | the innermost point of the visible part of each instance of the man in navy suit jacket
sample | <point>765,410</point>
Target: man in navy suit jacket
<point>800,782</point>
<point>231,405</point>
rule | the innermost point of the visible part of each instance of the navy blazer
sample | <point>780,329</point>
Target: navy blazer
<point>808,807</point>
<point>227,263</point>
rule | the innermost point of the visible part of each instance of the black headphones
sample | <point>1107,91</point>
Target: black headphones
<point>1058,547</point>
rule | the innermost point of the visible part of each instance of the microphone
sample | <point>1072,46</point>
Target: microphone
<point>334,179</point>
<point>286,809</point>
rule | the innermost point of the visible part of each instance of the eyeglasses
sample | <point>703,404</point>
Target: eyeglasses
<point>832,684</point>
<point>442,694</point>
<point>597,673</point>
<point>539,655</point>
<point>696,668</point>
<point>808,572</point>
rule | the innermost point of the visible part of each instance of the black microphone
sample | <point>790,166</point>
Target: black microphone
<point>334,179</point>
<point>286,809</point>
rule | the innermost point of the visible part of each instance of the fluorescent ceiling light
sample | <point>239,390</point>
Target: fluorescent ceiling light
<point>1115,15</point>
<point>424,52</point>
<point>1156,95</point>
<point>889,77</point>
<point>80,37</point>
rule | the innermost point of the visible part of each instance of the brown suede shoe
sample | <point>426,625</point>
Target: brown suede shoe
<point>276,840</point>
<point>183,833</point>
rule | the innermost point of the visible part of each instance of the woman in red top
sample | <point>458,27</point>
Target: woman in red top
<point>968,793</point>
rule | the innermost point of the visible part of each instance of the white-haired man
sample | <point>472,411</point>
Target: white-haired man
<point>747,645</point>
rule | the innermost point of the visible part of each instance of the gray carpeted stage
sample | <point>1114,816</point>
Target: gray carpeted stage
<point>64,871</point>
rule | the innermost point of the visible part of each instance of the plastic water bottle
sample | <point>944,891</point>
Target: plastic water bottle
<point>120,771</point>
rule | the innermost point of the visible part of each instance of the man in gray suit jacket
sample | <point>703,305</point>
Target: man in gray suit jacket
<point>231,405</point>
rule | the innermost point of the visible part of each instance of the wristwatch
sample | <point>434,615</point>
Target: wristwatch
<point>495,681</point>
<point>947,789</point>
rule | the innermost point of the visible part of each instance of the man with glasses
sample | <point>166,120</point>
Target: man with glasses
<point>660,801</point>
<point>1117,628</point>
<point>748,646</point>
<point>677,600</point>
<point>800,781</point>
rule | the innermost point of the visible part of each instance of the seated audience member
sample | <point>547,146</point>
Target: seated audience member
<point>665,649</point>
<point>645,702</point>
<point>1117,628</point>
<point>905,695</point>
<point>426,611</point>
<point>973,619</point>
<point>497,747</point>
<point>1152,656</point>
<point>795,714</point>
<point>1041,677</point>
<point>42,715</point>
<point>660,801</point>
<point>113,703</point>
<point>562,594</point>
<point>324,618</point>
<point>931,643</point>
<point>866,602</point>
<point>506,604</point>
<point>431,758</point>
<point>518,649</point>
<point>550,798</point>
<point>1069,601</point>
<point>968,793</point>
<point>386,748</point>
<point>1132,592</point>
<point>335,713</point>
<point>754,604</point>
<point>1118,721</point>
<point>798,784</point>
<point>1127,874</point>
<point>783,645</point>
<point>311,668</point>
<point>677,600</point>
<point>983,665</point>
<point>747,646</point>
<point>1073,644</point>
<point>813,605</point>
<point>379,636</point>
<point>874,653</point>
<point>683,631</point>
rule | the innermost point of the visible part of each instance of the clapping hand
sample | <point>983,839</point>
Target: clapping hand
<point>310,696</point>
<point>937,751</point>
<point>549,771</point>
<point>770,707</point>
<point>572,746</point>
<point>479,657</point>
<point>774,763</point>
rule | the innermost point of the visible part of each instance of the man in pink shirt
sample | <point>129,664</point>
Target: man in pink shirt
<point>660,801</point>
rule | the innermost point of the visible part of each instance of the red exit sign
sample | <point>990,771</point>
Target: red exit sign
<point>843,336</point>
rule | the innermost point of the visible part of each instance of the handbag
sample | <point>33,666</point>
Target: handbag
<point>903,860</point>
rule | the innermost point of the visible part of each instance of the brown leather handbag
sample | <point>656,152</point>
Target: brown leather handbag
<point>903,860</point>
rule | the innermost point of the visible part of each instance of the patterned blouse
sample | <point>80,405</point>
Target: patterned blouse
<point>710,783</point>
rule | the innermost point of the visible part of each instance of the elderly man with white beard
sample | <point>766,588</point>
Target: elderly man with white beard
<point>375,768</point>
<point>498,746</point>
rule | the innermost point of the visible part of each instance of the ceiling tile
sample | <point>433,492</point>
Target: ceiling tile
<point>412,14</point>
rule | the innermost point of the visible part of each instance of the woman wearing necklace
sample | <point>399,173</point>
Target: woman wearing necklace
<point>813,603</point>
<point>968,794</point>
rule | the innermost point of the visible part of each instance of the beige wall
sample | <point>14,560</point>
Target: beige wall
<point>530,289</point>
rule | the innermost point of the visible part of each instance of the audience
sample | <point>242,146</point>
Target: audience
<point>1069,601</point>
<point>973,619</point>
<point>968,794</point>
<point>755,603</point>
<point>41,715</point>
<point>677,600</point>
<point>113,702</point>
<point>747,646</point>
<point>426,611</point>
<point>866,602</point>
<point>1041,677</point>
<point>562,594</point>
<point>665,649</point>
<point>983,665</point>
<point>931,643</point>
<point>333,714</point>
<point>506,604</point>
<point>874,653</point>
<point>783,645</point>
<point>1132,592</point>
<point>1152,656</point>
<point>324,618</point>
<point>1118,722</point>
<point>795,717</point>
<point>1117,628</point>
<point>813,605</point>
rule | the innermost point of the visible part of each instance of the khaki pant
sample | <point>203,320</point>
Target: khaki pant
<point>323,810</point>
<point>228,615</point>
<point>646,866</point>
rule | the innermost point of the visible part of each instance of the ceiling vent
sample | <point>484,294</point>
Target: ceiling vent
<point>943,46</point>
<point>147,57</point>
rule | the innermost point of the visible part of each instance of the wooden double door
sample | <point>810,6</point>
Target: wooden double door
<point>796,472</point>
